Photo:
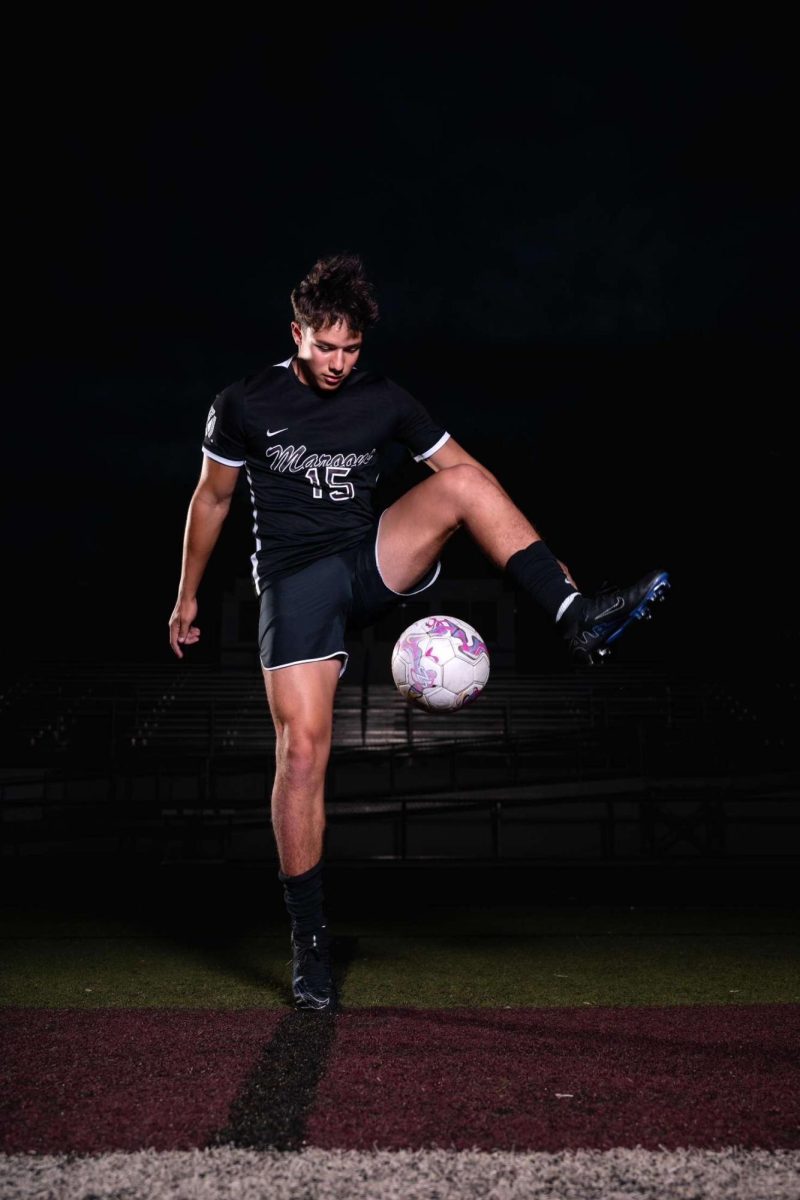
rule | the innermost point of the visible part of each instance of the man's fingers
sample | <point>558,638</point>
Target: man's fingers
<point>173,640</point>
<point>185,635</point>
<point>182,632</point>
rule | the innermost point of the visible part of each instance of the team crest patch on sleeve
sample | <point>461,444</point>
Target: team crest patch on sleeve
<point>211,421</point>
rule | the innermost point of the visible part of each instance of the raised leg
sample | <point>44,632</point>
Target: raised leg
<point>415,528</point>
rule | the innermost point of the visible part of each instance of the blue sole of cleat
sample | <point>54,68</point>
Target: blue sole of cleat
<point>657,591</point>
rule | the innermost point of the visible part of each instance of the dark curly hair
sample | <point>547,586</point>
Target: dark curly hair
<point>336,289</point>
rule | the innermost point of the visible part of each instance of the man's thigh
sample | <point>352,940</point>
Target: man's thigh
<point>373,596</point>
<point>301,697</point>
<point>412,533</point>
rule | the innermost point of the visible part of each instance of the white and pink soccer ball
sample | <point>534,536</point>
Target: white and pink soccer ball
<point>440,664</point>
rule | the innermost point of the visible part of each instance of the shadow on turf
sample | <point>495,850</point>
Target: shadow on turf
<point>239,961</point>
<point>290,1067</point>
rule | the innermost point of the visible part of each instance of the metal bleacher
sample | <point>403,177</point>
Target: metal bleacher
<point>177,762</point>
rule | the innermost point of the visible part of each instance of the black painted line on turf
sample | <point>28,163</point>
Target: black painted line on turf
<point>273,1106</point>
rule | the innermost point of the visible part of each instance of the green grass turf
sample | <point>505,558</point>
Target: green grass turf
<point>544,971</point>
<point>439,957</point>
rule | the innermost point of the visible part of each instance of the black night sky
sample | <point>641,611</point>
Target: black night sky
<point>579,226</point>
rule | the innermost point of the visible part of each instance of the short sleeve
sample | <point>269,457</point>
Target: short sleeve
<point>224,440</point>
<point>415,427</point>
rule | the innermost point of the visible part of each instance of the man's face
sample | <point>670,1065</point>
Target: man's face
<point>325,357</point>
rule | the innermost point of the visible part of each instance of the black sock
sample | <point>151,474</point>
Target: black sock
<point>536,570</point>
<point>304,900</point>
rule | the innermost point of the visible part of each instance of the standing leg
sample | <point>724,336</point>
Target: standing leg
<point>301,702</point>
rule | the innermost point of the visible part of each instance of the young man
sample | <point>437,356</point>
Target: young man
<point>308,432</point>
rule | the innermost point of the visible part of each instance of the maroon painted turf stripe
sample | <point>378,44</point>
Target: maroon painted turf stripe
<point>120,1079</point>
<point>559,1078</point>
<point>546,1079</point>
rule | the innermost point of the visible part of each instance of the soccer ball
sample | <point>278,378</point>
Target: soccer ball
<point>440,664</point>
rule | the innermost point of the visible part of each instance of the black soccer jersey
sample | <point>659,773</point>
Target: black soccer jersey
<point>312,459</point>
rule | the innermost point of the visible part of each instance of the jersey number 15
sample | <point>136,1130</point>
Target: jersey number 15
<point>337,490</point>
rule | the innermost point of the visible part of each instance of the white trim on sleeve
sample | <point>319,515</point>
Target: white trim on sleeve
<point>226,462</point>
<point>433,449</point>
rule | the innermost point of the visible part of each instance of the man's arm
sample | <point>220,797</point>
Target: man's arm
<point>207,511</point>
<point>452,455</point>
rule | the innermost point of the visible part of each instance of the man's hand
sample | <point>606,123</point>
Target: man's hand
<point>181,630</point>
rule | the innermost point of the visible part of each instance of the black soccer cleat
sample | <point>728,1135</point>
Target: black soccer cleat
<point>312,982</point>
<point>599,620</point>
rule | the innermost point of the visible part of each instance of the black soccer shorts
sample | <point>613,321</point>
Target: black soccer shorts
<point>303,616</point>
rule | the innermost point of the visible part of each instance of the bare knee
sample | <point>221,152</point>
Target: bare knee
<point>460,485</point>
<point>462,479</point>
<point>460,476</point>
<point>302,749</point>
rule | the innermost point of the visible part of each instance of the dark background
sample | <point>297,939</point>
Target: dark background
<point>579,227</point>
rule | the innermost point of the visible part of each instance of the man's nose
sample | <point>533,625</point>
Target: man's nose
<point>337,362</point>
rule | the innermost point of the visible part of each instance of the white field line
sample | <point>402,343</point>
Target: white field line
<point>312,1174</point>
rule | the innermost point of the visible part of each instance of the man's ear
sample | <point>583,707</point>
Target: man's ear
<point>297,333</point>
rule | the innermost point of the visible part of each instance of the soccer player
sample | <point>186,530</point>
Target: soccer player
<point>308,432</point>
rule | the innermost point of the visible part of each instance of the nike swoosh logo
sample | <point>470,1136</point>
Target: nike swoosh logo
<point>272,432</point>
<point>615,607</point>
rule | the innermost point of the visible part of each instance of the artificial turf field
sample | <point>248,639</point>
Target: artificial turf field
<point>504,1032</point>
